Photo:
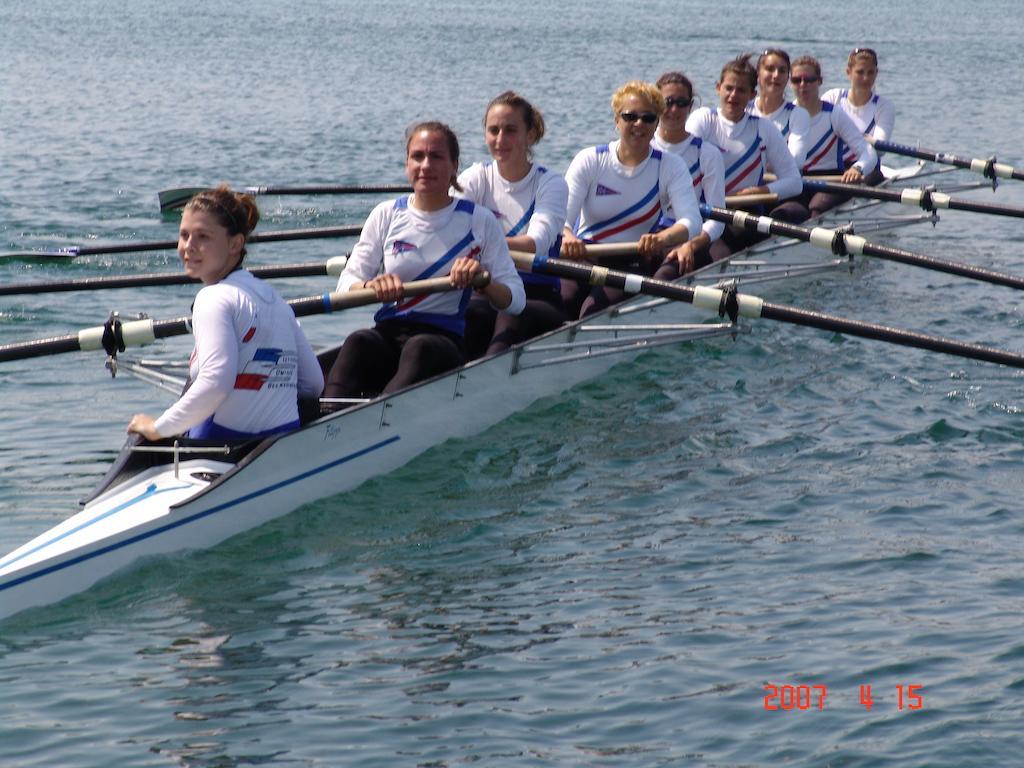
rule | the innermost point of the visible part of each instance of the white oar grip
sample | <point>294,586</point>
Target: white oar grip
<point>822,237</point>
<point>763,223</point>
<point>1001,170</point>
<point>336,264</point>
<point>135,334</point>
<point>710,299</point>
<point>917,196</point>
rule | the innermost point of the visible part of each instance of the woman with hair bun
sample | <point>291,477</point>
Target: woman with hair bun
<point>251,360</point>
<point>529,202</point>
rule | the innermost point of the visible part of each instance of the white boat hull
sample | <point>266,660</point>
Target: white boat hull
<point>205,501</point>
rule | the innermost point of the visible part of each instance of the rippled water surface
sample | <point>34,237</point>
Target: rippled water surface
<point>609,578</point>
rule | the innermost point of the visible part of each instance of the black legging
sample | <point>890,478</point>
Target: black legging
<point>811,204</point>
<point>603,296</point>
<point>390,356</point>
<point>489,331</point>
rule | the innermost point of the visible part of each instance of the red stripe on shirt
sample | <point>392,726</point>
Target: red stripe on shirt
<point>817,158</point>
<point>631,223</point>
<point>741,176</point>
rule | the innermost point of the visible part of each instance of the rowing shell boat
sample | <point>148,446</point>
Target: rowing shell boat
<point>184,494</point>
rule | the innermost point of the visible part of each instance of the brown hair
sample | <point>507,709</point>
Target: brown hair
<point>741,67</point>
<point>436,126</point>
<point>235,211</point>
<point>532,117</point>
<point>642,89</point>
<point>808,61</point>
<point>675,78</point>
<point>773,52</point>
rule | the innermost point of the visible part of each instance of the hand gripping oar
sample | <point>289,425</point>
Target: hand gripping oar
<point>114,336</point>
<point>172,199</point>
<point>928,199</point>
<point>312,269</point>
<point>74,251</point>
<point>990,169</point>
<point>734,305</point>
<point>843,243</point>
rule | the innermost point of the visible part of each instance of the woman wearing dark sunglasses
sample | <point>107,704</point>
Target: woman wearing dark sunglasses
<point>875,115</point>
<point>773,69</point>
<point>749,145</point>
<point>704,162</point>
<point>831,134</point>
<point>618,193</point>
<point>529,201</point>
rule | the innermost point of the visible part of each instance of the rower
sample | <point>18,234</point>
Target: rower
<point>618,193</point>
<point>529,201</point>
<point>427,234</point>
<point>704,162</point>
<point>873,114</point>
<point>749,145</point>
<point>831,129</point>
<point>251,359</point>
<point>773,70</point>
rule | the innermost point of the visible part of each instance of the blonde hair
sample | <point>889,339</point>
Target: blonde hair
<point>640,89</point>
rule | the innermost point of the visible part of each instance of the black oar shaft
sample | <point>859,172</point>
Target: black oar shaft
<point>312,269</point>
<point>168,245</point>
<point>990,169</point>
<point>172,199</point>
<point>260,237</point>
<point>332,189</point>
<point>825,322</point>
<point>927,199</point>
<point>843,243</point>
<point>139,332</point>
<point>133,333</point>
<point>724,302</point>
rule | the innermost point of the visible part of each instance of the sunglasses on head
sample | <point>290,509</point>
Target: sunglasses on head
<point>798,80</point>
<point>869,51</point>
<point>674,101</point>
<point>632,117</point>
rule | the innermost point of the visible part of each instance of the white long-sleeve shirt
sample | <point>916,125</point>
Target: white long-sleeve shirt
<point>704,162</point>
<point>613,203</point>
<point>876,118</point>
<point>250,362</point>
<point>400,239</point>
<point>793,122</point>
<point>533,206</point>
<point>749,145</point>
<point>831,132</point>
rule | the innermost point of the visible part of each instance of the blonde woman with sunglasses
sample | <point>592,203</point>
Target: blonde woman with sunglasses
<point>619,192</point>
